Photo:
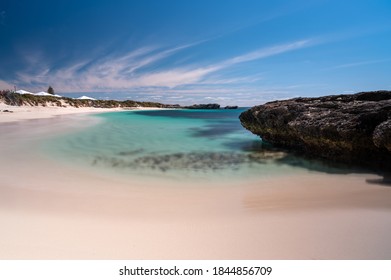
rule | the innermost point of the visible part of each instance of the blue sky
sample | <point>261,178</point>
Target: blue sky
<point>180,51</point>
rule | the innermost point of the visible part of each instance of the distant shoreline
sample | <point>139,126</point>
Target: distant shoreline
<point>44,99</point>
<point>16,107</point>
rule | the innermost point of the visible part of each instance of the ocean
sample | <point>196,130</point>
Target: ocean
<point>176,144</point>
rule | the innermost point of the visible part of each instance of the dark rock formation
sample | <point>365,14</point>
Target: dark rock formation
<point>351,128</point>
<point>231,107</point>
<point>203,106</point>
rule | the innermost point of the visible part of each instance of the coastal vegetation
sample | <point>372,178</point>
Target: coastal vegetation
<point>50,90</point>
<point>15,99</point>
<point>203,106</point>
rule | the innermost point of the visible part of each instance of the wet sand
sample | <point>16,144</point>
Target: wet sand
<point>49,210</point>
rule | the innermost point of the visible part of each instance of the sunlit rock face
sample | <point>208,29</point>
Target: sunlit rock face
<point>351,128</point>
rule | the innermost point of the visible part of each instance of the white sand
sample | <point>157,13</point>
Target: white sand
<point>25,112</point>
<point>52,211</point>
<point>38,112</point>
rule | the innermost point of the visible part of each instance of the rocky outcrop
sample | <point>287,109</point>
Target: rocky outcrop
<point>350,128</point>
<point>210,106</point>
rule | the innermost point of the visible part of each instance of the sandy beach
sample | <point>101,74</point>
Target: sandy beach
<point>49,210</point>
<point>19,113</point>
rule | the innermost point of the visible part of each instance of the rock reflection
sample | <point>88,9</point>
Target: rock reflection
<point>216,129</point>
<point>385,181</point>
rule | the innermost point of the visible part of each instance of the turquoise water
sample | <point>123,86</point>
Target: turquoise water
<point>208,144</point>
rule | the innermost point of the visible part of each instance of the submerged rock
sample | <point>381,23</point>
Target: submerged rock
<point>193,161</point>
<point>350,128</point>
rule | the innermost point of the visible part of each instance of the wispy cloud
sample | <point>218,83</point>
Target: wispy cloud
<point>267,52</point>
<point>233,95</point>
<point>221,80</point>
<point>141,68</point>
<point>359,63</point>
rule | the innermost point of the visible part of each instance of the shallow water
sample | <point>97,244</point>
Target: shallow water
<point>70,214</point>
<point>207,144</point>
